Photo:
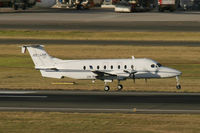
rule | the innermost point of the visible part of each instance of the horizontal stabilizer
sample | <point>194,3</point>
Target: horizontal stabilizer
<point>46,68</point>
<point>43,62</point>
<point>52,74</point>
<point>24,47</point>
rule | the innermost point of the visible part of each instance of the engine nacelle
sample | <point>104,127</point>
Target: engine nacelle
<point>45,3</point>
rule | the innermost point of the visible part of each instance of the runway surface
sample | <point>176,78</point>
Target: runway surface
<point>99,101</point>
<point>99,19</point>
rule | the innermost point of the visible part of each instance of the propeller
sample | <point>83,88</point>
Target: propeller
<point>131,74</point>
<point>133,77</point>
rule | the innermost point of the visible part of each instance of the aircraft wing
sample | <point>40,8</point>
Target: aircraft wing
<point>121,74</point>
<point>103,74</point>
<point>112,75</point>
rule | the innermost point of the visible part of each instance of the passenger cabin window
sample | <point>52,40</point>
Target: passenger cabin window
<point>91,67</point>
<point>125,67</point>
<point>98,67</point>
<point>152,66</point>
<point>111,67</point>
<point>118,66</point>
<point>104,67</point>
<point>132,67</point>
<point>84,67</point>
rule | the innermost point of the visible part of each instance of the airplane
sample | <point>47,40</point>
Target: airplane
<point>106,70</point>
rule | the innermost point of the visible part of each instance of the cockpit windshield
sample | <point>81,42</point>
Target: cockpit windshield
<point>159,65</point>
<point>156,65</point>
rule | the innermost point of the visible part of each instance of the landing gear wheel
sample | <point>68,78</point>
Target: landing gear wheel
<point>178,87</point>
<point>120,87</point>
<point>106,88</point>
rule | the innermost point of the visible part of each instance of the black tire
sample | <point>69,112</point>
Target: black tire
<point>120,87</point>
<point>106,88</point>
<point>79,7</point>
<point>178,87</point>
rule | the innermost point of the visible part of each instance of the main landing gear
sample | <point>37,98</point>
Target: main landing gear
<point>119,86</point>
<point>106,88</point>
<point>178,86</point>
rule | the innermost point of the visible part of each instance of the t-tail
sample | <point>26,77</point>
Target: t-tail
<point>42,60</point>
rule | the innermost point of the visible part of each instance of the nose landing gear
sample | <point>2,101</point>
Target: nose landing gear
<point>178,86</point>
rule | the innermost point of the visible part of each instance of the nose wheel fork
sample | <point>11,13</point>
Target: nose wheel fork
<point>178,86</point>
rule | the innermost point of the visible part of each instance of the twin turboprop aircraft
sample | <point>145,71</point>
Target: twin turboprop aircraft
<point>106,70</point>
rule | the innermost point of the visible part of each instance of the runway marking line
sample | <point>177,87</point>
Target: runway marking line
<point>16,92</point>
<point>9,96</point>
<point>99,110</point>
<point>64,83</point>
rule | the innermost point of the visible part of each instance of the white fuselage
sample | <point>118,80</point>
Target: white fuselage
<point>83,69</point>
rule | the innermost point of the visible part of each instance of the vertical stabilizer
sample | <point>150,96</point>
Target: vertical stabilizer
<point>39,56</point>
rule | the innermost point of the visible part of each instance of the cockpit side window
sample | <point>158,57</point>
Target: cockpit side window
<point>153,65</point>
<point>132,66</point>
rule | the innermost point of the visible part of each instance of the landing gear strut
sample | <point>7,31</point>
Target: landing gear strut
<point>178,86</point>
<point>119,86</point>
<point>106,88</point>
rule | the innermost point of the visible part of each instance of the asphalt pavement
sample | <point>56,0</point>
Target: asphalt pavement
<point>100,20</point>
<point>99,101</point>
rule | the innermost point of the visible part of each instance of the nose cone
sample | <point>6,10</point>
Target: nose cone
<point>169,72</point>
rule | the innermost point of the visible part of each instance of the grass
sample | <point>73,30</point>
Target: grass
<point>51,122</point>
<point>89,35</point>
<point>17,70</point>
